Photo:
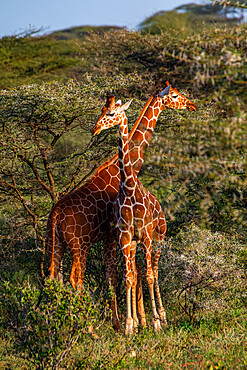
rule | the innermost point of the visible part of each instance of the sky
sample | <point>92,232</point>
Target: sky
<point>17,16</point>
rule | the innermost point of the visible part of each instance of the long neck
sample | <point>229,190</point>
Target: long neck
<point>126,171</point>
<point>140,135</point>
<point>143,133</point>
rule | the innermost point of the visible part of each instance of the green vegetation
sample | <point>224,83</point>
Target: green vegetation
<point>81,32</point>
<point>206,270</point>
<point>46,331</point>
<point>34,59</point>
<point>53,90</point>
<point>190,18</point>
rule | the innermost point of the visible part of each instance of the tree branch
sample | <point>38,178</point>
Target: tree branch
<point>36,174</point>
<point>21,199</point>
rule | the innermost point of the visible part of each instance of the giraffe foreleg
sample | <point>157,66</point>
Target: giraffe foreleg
<point>134,284</point>
<point>125,243</point>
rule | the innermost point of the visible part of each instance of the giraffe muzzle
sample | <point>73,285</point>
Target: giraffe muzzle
<point>191,107</point>
<point>96,130</point>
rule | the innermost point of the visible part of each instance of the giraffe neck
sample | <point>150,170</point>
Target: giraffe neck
<point>127,174</point>
<point>143,133</point>
<point>140,137</point>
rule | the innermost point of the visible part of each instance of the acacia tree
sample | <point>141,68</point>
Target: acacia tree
<point>46,147</point>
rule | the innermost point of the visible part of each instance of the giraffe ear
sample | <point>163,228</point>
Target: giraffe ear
<point>110,100</point>
<point>126,105</point>
<point>119,102</point>
<point>164,92</point>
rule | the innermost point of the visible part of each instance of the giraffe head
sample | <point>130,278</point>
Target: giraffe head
<point>171,98</point>
<point>112,114</point>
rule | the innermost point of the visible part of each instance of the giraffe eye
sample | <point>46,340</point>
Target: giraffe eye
<point>174,96</point>
<point>110,114</point>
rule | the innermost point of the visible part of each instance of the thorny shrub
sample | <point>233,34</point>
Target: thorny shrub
<point>46,326</point>
<point>203,271</point>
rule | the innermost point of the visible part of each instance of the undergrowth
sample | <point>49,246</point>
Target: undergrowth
<point>60,329</point>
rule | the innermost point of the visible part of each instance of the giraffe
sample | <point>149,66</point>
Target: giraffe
<point>113,114</point>
<point>137,216</point>
<point>81,217</point>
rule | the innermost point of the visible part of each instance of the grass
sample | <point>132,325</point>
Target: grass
<point>174,348</point>
<point>218,343</point>
<point>215,340</point>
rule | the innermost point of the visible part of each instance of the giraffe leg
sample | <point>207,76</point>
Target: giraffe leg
<point>74,271</point>
<point>155,260</point>
<point>139,297</point>
<point>60,274</point>
<point>134,284</point>
<point>79,254</point>
<point>110,246</point>
<point>147,246</point>
<point>128,320</point>
<point>125,243</point>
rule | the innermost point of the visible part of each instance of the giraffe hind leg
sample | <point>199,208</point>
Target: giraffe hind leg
<point>79,254</point>
<point>110,246</point>
<point>155,260</point>
<point>147,247</point>
<point>139,297</point>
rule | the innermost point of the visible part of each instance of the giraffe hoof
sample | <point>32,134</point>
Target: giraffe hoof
<point>156,324</point>
<point>128,326</point>
<point>162,316</point>
<point>116,326</point>
<point>142,322</point>
<point>135,325</point>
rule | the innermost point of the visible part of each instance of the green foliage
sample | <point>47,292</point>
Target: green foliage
<point>46,332</point>
<point>190,18</point>
<point>168,21</point>
<point>210,62</point>
<point>203,270</point>
<point>35,58</point>
<point>212,57</point>
<point>81,32</point>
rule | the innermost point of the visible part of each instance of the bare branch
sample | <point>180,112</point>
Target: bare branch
<point>36,174</point>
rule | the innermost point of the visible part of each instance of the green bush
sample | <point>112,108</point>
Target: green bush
<point>203,272</point>
<point>46,327</point>
<point>191,18</point>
